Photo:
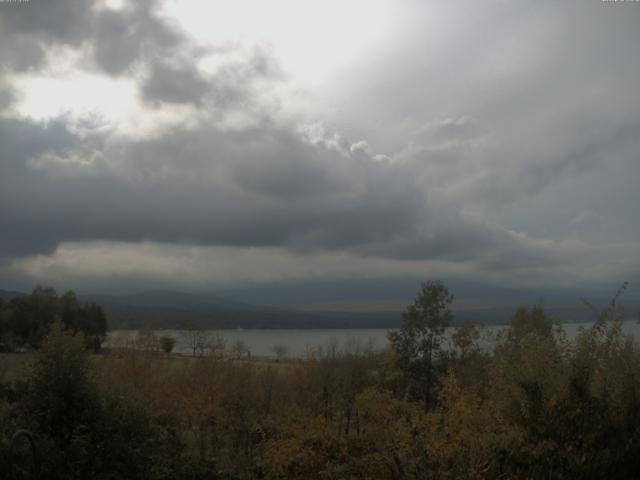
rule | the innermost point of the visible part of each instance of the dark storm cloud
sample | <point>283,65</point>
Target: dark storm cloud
<point>122,36</point>
<point>453,239</point>
<point>65,21</point>
<point>7,96</point>
<point>28,29</point>
<point>231,86</point>
<point>19,53</point>
<point>500,128</point>
<point>258,187</point>
<point>117,42</point>
<point>20,140</point>
<point>175,85</point>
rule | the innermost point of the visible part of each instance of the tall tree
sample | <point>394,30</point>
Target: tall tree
<point>418,342</point>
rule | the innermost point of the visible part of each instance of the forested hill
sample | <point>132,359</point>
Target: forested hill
<point>7,295</point>
<point>174,309</point>
<point>171,309</point>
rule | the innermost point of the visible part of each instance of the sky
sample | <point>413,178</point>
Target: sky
<point>205,146</point>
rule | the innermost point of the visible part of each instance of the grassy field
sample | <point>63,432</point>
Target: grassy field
<point>16,366</point>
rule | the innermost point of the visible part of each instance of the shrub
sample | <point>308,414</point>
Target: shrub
<point>167,343</point>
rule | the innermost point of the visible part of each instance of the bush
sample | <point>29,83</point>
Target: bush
<point>167,343</point>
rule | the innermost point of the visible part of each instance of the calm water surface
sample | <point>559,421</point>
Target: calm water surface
<point>301,342</point>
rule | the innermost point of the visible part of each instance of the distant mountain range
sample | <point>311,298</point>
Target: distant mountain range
<point>9,294</point>
<point>171,309</point>
<point>169,299</point>
<point>174,309</point>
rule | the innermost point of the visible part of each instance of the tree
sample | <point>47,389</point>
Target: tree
<point>62,402</point>
<point>196,338</point>
<point>467,358</point>
<point>217,345</point>
<point>418,342</point>
<point>146,339</point>
<point>530,321</point>
<point>26,319</point>
<point>464,338</point>
<point>167,343</point>
<point>280,350</point>
<point>94,325</point>
<point>82,429</point>
<point>32,315</point>
<point>239,348</point>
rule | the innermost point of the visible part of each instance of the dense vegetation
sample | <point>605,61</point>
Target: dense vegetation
<point>533,405</point>
<point>25,320</point>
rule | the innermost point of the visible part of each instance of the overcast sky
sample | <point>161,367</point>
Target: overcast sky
<point>208,145</point>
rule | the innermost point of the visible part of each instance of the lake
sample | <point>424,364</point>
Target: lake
<point>299,343</point>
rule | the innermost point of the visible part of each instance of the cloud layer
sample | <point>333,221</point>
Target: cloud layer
<point>505,147</point>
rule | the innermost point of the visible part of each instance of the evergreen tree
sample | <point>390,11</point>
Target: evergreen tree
<point>418,342</point>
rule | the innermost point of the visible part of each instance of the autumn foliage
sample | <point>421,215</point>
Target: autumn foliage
<point>526,403</point>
